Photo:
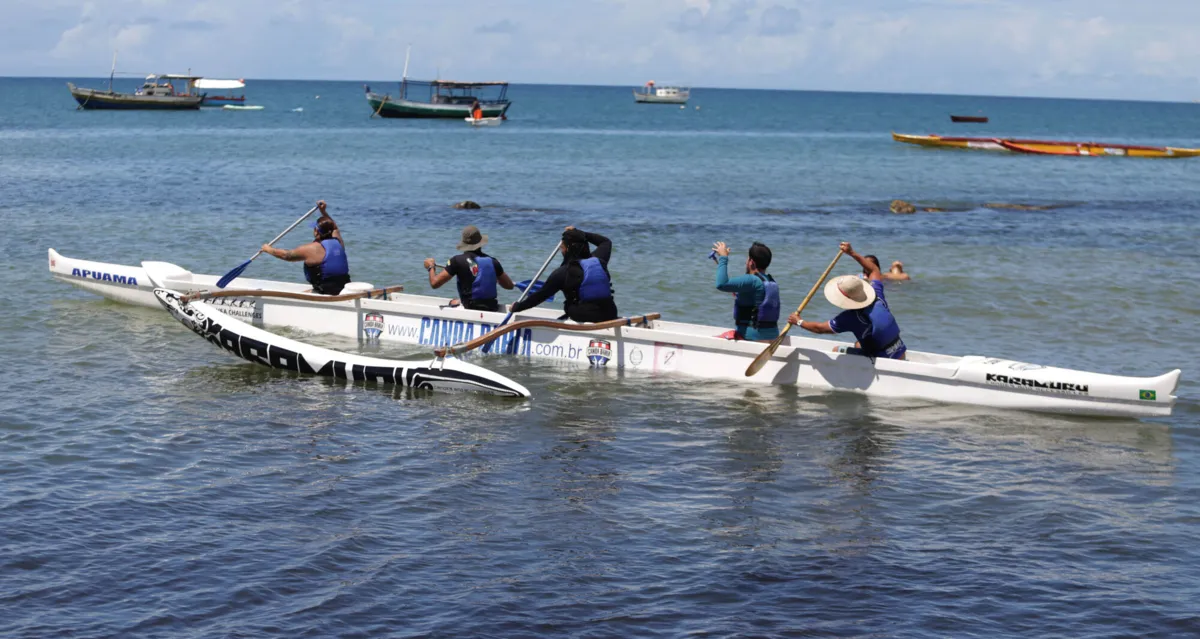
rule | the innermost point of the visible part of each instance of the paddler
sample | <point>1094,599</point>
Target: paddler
<point>325,263</point>
<point>756,295</point>
<point>477,273</point>
<point>583,278</point>
<point>866,311</point>
<point>477,111</point>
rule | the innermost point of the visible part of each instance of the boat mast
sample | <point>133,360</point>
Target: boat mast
<point>113,72</point>
<point>404,77</point>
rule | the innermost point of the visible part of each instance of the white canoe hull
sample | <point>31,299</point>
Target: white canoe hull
<point>274,351</point>
<point>477,122</point>
<point>665,347</point>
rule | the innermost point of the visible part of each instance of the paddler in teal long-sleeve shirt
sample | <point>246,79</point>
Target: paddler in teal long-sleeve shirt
<point>756,301</point>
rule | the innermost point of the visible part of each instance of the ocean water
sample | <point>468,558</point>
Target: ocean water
<point>155,486</point>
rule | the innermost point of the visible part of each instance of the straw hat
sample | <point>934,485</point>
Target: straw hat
<point>472,239</point>
<point>850,292</point>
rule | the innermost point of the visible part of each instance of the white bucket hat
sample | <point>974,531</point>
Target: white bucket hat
<point>850,292</point>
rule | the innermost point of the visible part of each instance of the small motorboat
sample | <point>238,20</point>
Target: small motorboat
<point>982,119</point>
<point>241,107</point>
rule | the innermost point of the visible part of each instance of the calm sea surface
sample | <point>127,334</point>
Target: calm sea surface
<point>151,485</point>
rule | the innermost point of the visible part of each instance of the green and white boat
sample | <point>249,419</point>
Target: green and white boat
<point>441,99</point>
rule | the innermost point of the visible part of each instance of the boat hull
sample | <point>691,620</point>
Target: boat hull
<point>976,119</point>
<point>642,98</point>
<point>669,347</point>
<point>1047,147</point>
<point>219,100</point>
<point>274,351</point>
<point>92,99</point>
<point>389,107</point>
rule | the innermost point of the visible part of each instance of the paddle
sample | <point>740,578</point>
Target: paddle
<point>763,357</point>
<point>232,275</point>
<point>309,297</point>
<point>557,248</point>
<point>489,337</point>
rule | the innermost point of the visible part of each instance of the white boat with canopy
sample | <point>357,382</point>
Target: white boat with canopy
<point>653,346</point>
<point>228,87</point>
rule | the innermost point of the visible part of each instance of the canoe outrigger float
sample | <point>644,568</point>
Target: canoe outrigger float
<point>655,346</point>
<point>1047,147</point>
<point>260,347</point>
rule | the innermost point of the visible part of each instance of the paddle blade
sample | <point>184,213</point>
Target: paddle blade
<point>532,287</point>
<point>232,275</point>
<point>767,353</point>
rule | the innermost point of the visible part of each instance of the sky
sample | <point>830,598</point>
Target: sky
<point>1124,49</point>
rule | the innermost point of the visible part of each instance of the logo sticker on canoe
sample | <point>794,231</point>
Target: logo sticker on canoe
<point>372,326</point>
<point>599,352</point>
<point>1148,395</point>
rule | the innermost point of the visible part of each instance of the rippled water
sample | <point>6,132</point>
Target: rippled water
<point>154,486</point>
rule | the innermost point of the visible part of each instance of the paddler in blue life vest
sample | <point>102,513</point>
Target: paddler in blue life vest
<point>756,295</point>
<point>866,311</point>
<point>583,278</point>
<point>477,273</point>
<point>325,263</point>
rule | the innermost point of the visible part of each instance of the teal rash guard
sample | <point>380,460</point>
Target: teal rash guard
<point>750,292</point>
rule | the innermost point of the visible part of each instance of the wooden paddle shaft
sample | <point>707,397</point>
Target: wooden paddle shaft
<point>821,281</point>
<point>515,326</point>
<point>309,297</point>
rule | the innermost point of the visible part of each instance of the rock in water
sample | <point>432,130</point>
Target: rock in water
<point>467,204</point>
<point>902,207</point>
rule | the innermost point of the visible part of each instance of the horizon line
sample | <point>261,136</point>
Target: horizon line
<point>131,75</point>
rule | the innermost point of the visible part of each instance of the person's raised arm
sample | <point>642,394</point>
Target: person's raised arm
<point>337,232</point>
<point>740,284</point>
<point>869,267</point>
<point>603,246</point>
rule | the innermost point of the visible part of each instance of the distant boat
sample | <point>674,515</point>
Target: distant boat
<point>157,92</point>
<point>655,94</point>
<point>210,84</point>
<point>439,98</point>
<point>1048,147</point>
<point>239,107</point>
<point>969,118</point>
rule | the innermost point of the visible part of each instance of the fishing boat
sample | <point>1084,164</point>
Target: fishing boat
<point>441,99</point>
<point>274,351</point>
<point>980,119</point>
<point>158,91</point>
<point>651,93</point>
<point>477,122</point>
<point>1047,147</point>
<point>212,84</point>
<point>654,346</point>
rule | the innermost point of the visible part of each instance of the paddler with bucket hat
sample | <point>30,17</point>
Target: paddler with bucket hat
<point>866,312</point>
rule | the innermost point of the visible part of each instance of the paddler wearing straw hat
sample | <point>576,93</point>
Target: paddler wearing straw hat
<point>583,278</point>
<point>325,263</point>
<point>478,273</point>
<point>866,311</point>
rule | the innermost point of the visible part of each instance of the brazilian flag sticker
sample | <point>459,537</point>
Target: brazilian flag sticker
<point>1148,395</point>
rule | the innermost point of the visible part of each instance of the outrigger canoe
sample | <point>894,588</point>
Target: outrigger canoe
<point>655,347</point>
<point>274,351</point>
<point>1047,147</point>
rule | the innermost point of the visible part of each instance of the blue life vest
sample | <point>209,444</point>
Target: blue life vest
<point>595,285</point>
<point>484,285</point>
<point>335,266</point>
<point>764,314</point>
<point>883,332</point>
